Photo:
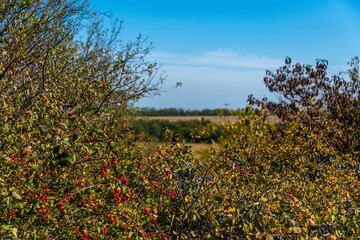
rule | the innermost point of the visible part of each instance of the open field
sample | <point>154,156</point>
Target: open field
<point>199,149</point>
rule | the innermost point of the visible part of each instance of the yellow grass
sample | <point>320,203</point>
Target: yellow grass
<point>200,149</point>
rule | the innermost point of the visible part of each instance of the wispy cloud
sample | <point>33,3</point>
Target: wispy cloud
<point>222,58</point>
<point>211,79</point>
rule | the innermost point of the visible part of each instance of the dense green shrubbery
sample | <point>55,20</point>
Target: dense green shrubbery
<point>70,168</point>
<point>155,130</point>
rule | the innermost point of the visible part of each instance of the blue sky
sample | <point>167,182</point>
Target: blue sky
<point>220,50</point>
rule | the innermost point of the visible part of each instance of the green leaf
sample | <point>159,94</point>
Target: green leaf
<point>16,195</point>
<point>67,142</point>
<point>35,167</point>
<point>343,219</point>
<point>7,227</point>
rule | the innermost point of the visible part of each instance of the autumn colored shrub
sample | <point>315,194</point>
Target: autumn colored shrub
<point>309,95</point>
<point>303,171</point>
<point>264,183</point>
<point>297,184</point>
<point>71,167</point>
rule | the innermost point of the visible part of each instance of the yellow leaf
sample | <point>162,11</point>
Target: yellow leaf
<point>155,209</point>
<point>231,210</point>
<point>15,231</point>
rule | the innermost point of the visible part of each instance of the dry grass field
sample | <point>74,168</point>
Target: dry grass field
<point>200,149</point>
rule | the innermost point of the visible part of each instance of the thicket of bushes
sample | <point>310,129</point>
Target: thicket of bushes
<point>155,130</point>
<point>70,166</point>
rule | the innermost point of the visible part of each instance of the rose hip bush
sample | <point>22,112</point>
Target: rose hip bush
<point>71,166</point>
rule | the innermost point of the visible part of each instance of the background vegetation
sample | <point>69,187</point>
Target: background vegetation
<point>183,112</point>
<point>71,166</point>
<point>155,130</point>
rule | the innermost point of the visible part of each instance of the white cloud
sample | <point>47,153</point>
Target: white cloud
<point>222,58</point>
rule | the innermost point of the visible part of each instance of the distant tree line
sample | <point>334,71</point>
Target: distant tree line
<point>155,130</point>
<point>183,112</point>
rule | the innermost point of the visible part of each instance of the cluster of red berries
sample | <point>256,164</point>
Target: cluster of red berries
<point>104,169</point>
<point>48,172</point>
<point>79,183</point>
<point>25,153</point>
<point>112,219</point>
<point>87,156</point>
<point>12,213</point>
<point>123,179</point>
<point>172,194</point>
<point>85,235</point>
<point>147,211</point>
<point>113,162</point>
<point>14,159</point>
<point>43,212</point>
<point>122,198</point>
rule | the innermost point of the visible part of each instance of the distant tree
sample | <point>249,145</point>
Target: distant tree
<point>309,95</point>
<point>183,112</point>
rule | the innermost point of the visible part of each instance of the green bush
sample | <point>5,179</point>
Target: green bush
<point>155,130</point>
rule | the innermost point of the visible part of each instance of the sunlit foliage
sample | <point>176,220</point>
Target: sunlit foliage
<point>71,168</point>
